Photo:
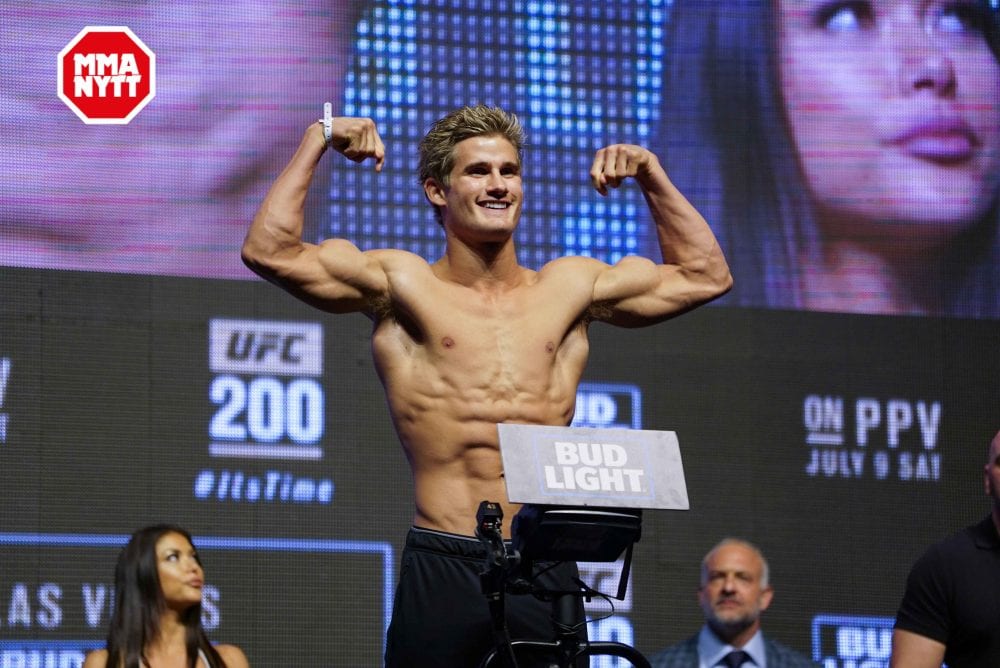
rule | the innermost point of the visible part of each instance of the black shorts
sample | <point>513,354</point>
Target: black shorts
<point>441,618</point>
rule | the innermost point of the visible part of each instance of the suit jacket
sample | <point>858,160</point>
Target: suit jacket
<point>685,655</point>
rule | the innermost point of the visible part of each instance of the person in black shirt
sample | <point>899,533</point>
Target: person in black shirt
<point>951,609</point>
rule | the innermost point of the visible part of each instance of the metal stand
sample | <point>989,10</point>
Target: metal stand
<point>507,572</point>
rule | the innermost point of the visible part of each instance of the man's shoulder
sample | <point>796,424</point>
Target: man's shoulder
<point>570,264</point>
<point>982,535</point>
<point>964,541</point>
<point>783,656</point>
<point>680,655</point>
<point>398,258</point>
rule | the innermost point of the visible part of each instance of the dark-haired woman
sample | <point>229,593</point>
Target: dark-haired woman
<point>157,617</point>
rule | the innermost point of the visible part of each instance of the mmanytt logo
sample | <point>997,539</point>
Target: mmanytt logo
<point>106,75</point>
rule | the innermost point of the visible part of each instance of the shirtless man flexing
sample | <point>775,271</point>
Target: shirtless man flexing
<point>475,339</point>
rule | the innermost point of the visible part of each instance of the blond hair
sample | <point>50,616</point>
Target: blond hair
<point>437,148</point>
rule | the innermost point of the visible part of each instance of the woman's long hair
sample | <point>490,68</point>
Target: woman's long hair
<point>139,605</point>
<point>725,143</point>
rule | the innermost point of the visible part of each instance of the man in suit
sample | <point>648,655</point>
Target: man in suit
<point>734,592</point>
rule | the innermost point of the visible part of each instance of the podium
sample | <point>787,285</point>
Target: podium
<point>583,491</point>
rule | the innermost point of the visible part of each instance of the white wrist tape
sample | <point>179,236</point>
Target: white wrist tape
<point>327,122</point>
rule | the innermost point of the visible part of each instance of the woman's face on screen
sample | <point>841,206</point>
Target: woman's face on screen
<point>894,107</point>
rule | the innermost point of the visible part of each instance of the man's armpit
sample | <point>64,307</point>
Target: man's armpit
<point>597,311</point>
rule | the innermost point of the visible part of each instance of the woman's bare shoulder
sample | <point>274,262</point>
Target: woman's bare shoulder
<point>233,656</point>
<point>96,659</point>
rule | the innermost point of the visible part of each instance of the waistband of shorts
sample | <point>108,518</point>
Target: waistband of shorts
<point>443,542</point>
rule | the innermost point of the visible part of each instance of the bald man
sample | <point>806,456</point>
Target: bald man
<point>951,609</point>
<point>735,590</point>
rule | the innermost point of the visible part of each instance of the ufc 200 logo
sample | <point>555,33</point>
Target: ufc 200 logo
<point>266,389</point>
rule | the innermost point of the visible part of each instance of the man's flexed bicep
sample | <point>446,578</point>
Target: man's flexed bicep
<point>334,275</point>
<point>638,291</point>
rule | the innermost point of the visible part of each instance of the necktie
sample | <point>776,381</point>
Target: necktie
<point>735,659</point>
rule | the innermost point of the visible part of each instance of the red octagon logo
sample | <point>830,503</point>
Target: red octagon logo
<point>106,75</point>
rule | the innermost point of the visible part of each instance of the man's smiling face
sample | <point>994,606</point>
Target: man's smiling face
<point>484,194</point>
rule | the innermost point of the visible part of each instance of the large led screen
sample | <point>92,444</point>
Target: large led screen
<point>835,408</point>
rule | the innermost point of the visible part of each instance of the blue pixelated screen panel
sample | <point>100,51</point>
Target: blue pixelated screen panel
<point>579,75</point>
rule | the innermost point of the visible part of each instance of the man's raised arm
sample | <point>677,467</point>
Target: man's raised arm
<point>333,275</point>
<point>694,270</point>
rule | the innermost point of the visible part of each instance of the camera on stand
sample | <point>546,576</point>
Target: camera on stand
<point>553,534</point>
<point>580,491</point>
